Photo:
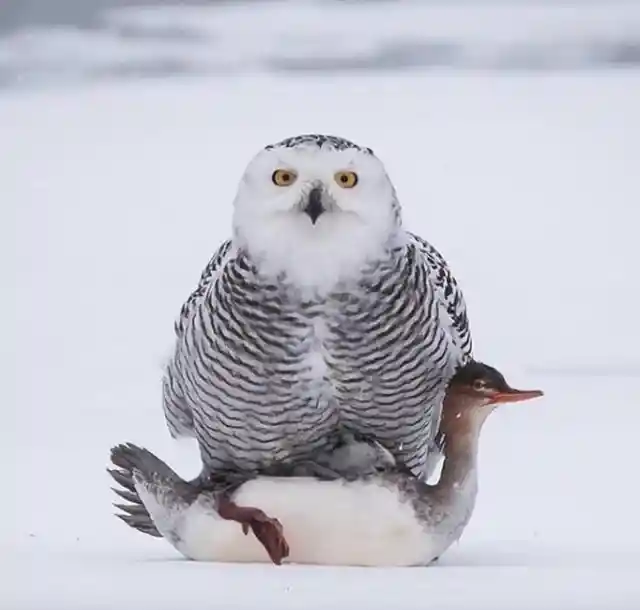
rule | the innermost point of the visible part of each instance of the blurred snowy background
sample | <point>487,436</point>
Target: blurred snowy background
<point>91,39</point>
<point>512,132</point>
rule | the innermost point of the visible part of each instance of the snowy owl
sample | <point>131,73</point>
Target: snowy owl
<point>321,313</point>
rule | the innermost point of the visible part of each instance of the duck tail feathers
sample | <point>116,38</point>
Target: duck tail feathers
<point>137,469</point>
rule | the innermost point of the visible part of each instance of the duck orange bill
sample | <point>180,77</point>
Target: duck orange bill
<point>512,395</point>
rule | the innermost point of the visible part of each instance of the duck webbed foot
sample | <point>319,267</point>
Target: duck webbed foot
<point>266,529</point>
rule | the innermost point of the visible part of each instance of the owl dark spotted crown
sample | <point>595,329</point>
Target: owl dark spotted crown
<point>320,141</point>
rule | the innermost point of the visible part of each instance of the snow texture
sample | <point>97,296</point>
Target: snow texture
<point>113,198</point>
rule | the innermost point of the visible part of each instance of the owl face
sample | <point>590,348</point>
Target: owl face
<point>315,195</point>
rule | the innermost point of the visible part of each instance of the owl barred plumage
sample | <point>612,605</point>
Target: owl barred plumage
<point>309,321</point>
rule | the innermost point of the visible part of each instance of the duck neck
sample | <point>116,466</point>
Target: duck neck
<point>460,464</point>
<point>446,507</point>
<point>462,431</point>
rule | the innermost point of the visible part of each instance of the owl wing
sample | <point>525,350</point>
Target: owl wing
<point>453,308</point>
<point>177,412</point>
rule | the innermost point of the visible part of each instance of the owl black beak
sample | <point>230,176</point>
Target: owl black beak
<point>314,207</point>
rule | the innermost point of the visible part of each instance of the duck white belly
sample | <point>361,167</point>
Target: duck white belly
<point>361,523</point>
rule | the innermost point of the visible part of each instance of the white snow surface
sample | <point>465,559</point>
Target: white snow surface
<point>113,198</point>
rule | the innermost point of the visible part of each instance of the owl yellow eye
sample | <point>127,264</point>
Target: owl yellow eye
<point>347,180</point>
<point>284,177</point>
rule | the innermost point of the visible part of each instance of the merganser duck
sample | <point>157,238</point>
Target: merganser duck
<point>387,517</point>
<point>353,458</point>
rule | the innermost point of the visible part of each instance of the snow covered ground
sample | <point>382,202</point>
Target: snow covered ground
<point>116,194</point>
